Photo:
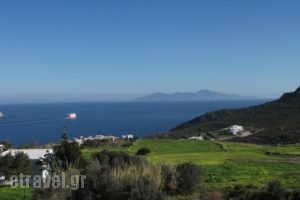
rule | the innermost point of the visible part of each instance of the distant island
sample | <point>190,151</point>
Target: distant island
<point>275,122</point>
<point>201,95</point>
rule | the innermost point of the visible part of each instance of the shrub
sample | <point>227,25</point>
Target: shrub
<point>141,189</point>
<point>117,159</point>
<point>102,183</point>
<point>143,151</point>
<point>169,184</point>
<point>272,191</point>
<point>189,178</point>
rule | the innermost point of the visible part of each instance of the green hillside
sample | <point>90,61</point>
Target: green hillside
<point>279,121</point>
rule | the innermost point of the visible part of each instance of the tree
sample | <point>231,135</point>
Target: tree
<point>14,165</point>
<point>68,153</point>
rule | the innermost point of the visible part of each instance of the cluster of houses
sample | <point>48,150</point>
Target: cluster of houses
<point>112,138</point>
<point>233,130</point>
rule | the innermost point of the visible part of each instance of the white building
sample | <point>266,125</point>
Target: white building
<point>235,129</point>
<point>128,137</point>
<point>1,147</point>
<point>196,138</point>
<point>33,154</point>
<point>104,137</point>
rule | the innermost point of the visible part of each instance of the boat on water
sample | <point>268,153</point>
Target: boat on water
<point>72,116</point>
<point>1,115</point>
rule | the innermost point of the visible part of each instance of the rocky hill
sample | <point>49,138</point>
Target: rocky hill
<point>278,120</point>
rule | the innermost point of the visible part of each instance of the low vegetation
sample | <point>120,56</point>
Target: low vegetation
<point>226,164</point>
<point>8,193</point>
<point>180,169</point>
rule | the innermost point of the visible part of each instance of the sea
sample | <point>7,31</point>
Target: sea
<point>44,123</point>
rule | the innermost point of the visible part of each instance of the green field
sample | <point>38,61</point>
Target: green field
<point>226,163</point>
<point>8,193</point>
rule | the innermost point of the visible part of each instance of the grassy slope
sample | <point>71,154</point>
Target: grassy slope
<point>225,163</point>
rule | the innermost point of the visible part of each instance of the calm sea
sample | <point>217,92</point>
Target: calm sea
<point>43,123</point>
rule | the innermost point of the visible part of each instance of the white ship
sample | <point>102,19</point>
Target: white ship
<point>72,116</point>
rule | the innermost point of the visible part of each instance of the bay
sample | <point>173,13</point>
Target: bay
<point>43,123</point>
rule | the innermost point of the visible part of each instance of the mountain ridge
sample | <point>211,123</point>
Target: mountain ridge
<point>200,95</point>
<point>278,119</point>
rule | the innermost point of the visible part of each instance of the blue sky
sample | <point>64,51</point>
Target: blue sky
<point>117,50</point>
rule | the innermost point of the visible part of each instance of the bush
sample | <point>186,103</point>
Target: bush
<point>189,178</point>
<point>117,159</point>
<point>272,191</point>
<point>143,151</point>
<point>142,189</point>
<point>102,182</point>
<point>169,184</point>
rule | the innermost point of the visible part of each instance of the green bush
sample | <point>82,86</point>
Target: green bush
<point>103,182</point>
<point>68,154</point>
<point>169,184</point>
<point>143,151</point>
<point>117,159</point>
<point>273,191</point>
<point>189,178</point>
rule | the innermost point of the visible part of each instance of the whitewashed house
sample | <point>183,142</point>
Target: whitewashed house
<point>104,137</point>
<point>128,137</point>
<point>235,129</point>
<point>33,154</point>
<point>1,147</point>
<point>196,138</point>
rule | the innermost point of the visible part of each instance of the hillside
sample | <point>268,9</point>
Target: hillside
<point>201,95</point>
<point>278,120</point>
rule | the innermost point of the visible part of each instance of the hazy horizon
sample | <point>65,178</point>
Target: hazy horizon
<point>100,98</point>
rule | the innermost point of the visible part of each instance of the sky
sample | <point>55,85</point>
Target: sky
<point>96,50</point>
